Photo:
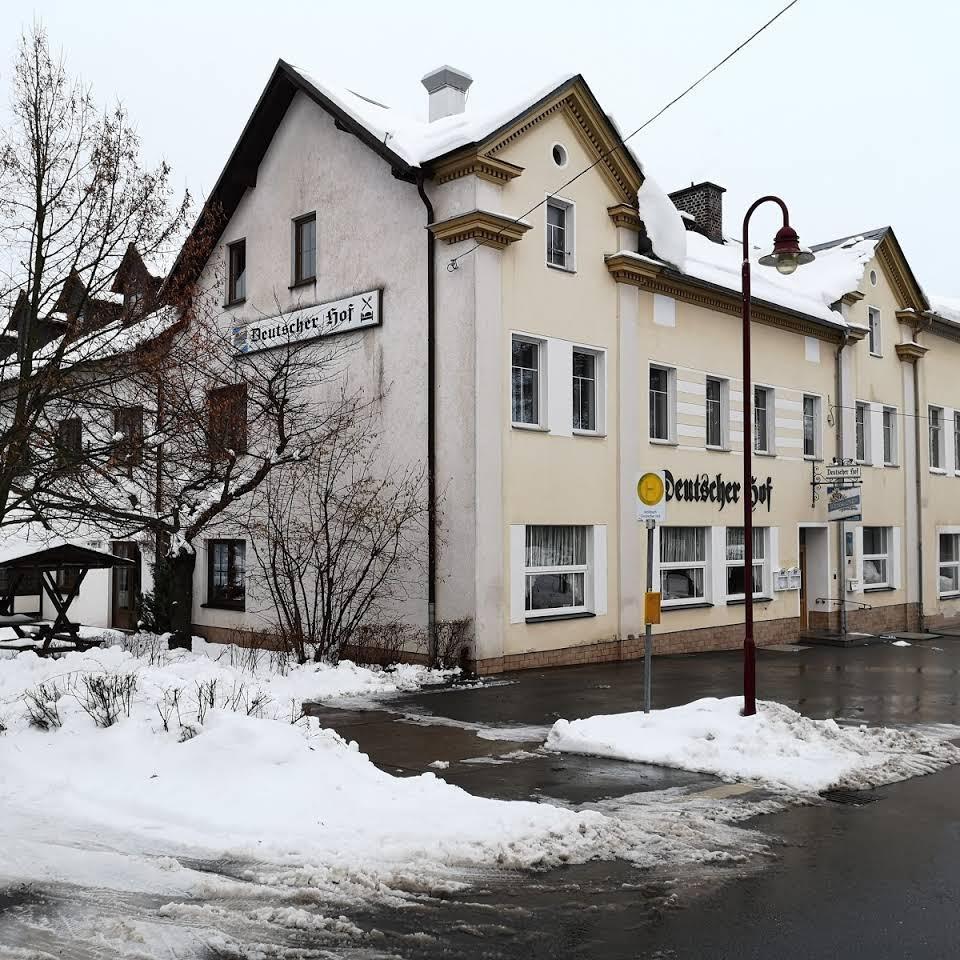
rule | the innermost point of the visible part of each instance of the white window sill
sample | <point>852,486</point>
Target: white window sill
<point>939,471</point>
<point>879,355</point>
<point>661,442</point>
<point>560,613</point>
<point>878,588</point>
<point>711,449</point>
<point>949,596</point>
<point>589,433</point>
<point>812,458</point>
<point>891,464</point>
<point>685,604</point>
<point>764,453</point>
<point>557,266</point>
<point>535,427</point>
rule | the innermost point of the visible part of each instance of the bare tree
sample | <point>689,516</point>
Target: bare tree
<point>76,203</point>
<point>338,538</point>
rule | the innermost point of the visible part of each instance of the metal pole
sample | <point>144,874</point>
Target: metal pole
<point>647,628</point>
<point>749,647</point>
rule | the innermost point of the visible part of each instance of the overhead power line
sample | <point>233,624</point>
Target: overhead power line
<point>452,265</point>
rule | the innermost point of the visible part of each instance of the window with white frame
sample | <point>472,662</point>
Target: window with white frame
<point>716,393</point>
<point>949,569</point>
<point>526,381</point>
<point>811,426</point>
<point>555,570</point>
<point>587,390</point>
<point>736,578</point>
<point>560,233</point>
<point>862,432</point>
<point>935,421</point>
<point>662,380</point>
<point>873,323</point>
<point>889,436</point>
<point>763,419</point>
<point>683,565</point>
<point>956,441</point>
<point>876,557</point>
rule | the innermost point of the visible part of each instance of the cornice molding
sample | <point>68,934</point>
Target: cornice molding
<point>594,132</point>
<point>651,278</point>
<point>899,273</point>
<point>486,228</point>
<point>623,215</point>
<point>911,352</point>
<point>473,163</point>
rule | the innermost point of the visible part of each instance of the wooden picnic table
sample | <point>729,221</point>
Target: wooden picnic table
<point>42,561</point>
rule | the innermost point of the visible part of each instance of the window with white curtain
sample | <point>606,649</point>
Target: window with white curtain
<point>683,564</point>
<point>949,579</point>
<point>735,574</point>
<point>876,556</point>
<point>560,233</point>
<point>555,569</point>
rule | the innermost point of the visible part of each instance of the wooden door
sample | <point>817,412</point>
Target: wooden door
<point>126,587</point>
<point>804,610</point>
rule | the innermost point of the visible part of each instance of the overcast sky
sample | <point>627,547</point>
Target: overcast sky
<point>846,108</point>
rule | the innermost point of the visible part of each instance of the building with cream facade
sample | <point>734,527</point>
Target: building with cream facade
<point>552,325</point>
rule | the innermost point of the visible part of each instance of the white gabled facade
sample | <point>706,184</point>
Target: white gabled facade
<point>580,337</point>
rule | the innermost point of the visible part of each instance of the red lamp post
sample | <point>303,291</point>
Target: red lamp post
<point>786,257</point>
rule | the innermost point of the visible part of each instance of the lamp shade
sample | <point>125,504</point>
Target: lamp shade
<point>787,254</point>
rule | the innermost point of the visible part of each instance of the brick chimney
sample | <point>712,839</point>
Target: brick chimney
<point>447,88</point>
<point>704,202</point>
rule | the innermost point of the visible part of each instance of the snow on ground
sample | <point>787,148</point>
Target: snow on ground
<point>777,747</point>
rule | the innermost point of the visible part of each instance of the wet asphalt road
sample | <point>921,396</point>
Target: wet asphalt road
<point>881,880</point>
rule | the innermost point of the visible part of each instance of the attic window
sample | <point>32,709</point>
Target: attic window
<point>559,155</point>
<point>873,278</point>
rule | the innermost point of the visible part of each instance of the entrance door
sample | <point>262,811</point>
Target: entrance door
<point>126,587</point>
<point>804,587</point>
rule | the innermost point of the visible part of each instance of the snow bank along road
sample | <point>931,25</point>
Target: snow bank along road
<point>167,804</point>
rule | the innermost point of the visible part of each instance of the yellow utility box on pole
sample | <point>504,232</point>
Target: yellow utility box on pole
<point>651,607</point>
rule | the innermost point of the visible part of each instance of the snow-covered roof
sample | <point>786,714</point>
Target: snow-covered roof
<point>20,543</point>
<point>946,307</point>
<point>811,290</point>
<point>417,140</point>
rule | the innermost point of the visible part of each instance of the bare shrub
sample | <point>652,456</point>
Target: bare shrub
<point>42,706</point>
<point>107,697</point>
<point>384,644</point>
<point>451,643</point>
<point>145,646</point>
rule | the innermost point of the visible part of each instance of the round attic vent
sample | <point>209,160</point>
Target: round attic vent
<point>873,277</point>
<point>559,155</point>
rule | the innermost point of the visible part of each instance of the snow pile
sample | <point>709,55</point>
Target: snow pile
<point>203,759</point>
<point>777,746</point>
<point>663,223</point>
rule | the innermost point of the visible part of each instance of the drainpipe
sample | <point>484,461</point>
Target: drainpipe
<point>431,422</point>
<point>918,477</point>
<point>842,550</point>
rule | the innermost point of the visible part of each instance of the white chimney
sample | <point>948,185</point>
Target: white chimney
<point>448,91</point>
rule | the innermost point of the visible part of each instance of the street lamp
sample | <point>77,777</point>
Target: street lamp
<point>786,257</point>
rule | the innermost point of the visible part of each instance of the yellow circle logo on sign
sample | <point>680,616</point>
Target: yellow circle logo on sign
<point>650,489</point>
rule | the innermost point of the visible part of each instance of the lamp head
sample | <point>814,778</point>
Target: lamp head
<point>787,254</point>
